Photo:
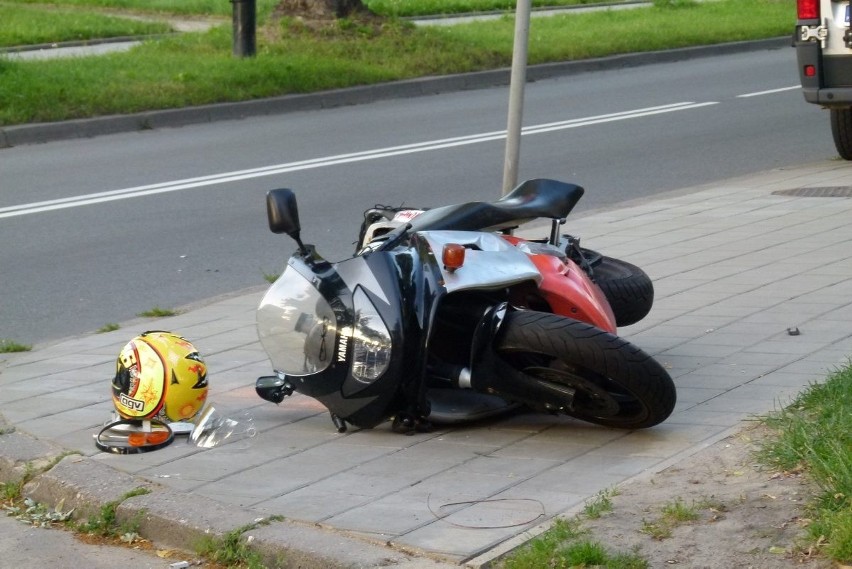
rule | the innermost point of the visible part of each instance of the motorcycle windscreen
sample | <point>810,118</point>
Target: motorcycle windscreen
<point>296,326</point>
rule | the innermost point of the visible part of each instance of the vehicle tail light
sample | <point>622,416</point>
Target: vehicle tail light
<point>453,256</point>
<point>810,71</point>
<point>808,9</point>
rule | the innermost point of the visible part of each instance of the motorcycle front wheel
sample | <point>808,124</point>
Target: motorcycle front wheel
<point>613,382</point>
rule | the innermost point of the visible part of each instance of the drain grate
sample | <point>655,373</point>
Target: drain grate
<point>819,192</point>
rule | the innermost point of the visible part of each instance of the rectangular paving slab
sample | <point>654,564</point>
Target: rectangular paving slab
<point>736,268</point>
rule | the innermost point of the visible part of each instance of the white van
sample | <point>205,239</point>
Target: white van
<point>823,42</point>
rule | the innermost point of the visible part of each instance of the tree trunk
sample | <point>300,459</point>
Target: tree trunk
<point>344,8</point>
<point>321,9</point>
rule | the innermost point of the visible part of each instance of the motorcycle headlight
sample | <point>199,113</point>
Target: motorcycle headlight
<point>371,341</point>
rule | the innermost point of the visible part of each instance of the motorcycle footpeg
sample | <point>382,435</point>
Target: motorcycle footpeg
<point>339,424</point>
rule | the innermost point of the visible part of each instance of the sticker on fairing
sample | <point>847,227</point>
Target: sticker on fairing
<point>406,215</point>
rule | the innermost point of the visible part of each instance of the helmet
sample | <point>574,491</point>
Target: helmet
<point>159,375</point>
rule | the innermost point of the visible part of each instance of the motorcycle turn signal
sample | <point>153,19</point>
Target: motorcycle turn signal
<point>453,256</point>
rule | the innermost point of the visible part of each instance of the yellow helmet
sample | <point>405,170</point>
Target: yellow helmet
<point>159,375</point>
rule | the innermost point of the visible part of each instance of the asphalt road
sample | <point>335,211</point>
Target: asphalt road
<point>95,231</point>
<point>23,546</point>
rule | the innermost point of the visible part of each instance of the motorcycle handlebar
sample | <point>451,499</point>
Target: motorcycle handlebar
<point>394,237</point>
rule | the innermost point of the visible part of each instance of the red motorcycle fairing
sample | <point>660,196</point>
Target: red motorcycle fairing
<point>569,291</point>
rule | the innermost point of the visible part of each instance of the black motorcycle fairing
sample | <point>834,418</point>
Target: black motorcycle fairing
<point>363,405</point>
<point>412,282</point>
<point>530,200</point>
<point>421,292</point>
<point>377,277</point>
<point>483,337</point>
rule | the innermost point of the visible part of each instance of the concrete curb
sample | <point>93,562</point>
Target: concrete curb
<point>82,43</point>
<point>19,451</point>
<point>82,128</point>
<point>176,519</point>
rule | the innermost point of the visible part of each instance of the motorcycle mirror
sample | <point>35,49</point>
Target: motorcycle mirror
<point>282,211</point>
<point>283,214</point>
<point>273,388</point>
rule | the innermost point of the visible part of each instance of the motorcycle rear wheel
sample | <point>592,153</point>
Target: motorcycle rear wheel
<point>614,383</point>
<point>627,288</point>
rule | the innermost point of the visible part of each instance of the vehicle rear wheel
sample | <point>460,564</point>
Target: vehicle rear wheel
<point>611,381</point>
<point>841,130</point>
<point>627,288</point>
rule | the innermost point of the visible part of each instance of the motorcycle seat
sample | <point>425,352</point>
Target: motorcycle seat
<point>530,200</point>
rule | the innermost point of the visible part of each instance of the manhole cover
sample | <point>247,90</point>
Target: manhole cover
<point>820,192</point>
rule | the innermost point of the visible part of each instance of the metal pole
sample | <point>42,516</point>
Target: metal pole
<point>245,23</point>
<point>516,94</point>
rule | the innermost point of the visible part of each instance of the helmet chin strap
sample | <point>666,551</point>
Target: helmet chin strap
<point>134,436</point>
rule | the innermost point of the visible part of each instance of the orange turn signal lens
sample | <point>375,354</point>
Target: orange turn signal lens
<point>141,438</point>
<point>157,437</point>
<point>453,256</point>
<point>136,439</point>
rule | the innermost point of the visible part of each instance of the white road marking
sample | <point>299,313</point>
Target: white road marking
<point>769,92</point>
<point>239,175</point>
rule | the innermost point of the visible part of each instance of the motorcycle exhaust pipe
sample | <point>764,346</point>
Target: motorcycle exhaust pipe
<point>495,376</point>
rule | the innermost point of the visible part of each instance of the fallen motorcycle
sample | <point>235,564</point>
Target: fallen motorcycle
<point>444,316</point>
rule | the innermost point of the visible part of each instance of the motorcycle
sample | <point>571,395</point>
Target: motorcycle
<point>445,316</point>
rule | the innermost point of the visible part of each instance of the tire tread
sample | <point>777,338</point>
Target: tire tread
<point>841,131</point>
<point>597,350</point>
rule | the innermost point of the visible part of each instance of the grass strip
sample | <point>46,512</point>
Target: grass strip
<point>415,8</point>
<point>198,68</point>
<point>28,25</point>
<point>566,545</point>
<point>183,7</point>
<point>391,8</point>
<point>10,346</point>
<point>814,433</point>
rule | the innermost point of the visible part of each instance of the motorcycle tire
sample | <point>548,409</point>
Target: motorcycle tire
<point>627,288</point>
<point>615,383</point>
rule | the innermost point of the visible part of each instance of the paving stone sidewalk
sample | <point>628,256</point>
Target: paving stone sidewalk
<point>753,302</point>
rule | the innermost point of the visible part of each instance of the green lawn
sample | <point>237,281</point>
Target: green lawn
<point>398,8</point>
<point>814,433</point>
<point>28,25</point>
<point>198,68</point>
<point>408,8</point>
<point>196,7</point>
